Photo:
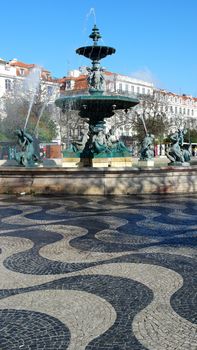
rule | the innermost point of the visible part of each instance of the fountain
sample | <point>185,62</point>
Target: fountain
<point>95,107</point>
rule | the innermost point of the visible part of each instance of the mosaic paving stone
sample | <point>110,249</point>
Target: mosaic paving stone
<point>24,330</point>
<point>98,272</point>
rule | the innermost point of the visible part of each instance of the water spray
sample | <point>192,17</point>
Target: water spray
<point>31,85</point>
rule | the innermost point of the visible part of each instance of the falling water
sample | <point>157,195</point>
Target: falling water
<point>31,85</point>
<point>39,117</point>
<point>47,99</point>
<point>143,121</point>
<point>29,110</point>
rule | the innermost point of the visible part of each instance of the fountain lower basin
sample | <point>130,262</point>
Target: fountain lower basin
<point>98,181</point>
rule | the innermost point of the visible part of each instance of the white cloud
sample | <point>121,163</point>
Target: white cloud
<point>146,75</point>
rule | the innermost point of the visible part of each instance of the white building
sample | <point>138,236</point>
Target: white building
<point>115,83</point>
<point>123,84</point>
<point>14,73</point>
<point>181,109</point>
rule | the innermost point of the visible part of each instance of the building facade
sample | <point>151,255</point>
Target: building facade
<point>21,79</point>
<point>181,110</point>
<point>14,73</point>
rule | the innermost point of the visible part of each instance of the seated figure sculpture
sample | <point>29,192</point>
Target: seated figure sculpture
<point>147,148</point>
<point>176,154</point>
<point>114,144</point>
<point>27,155</point>
<point>100,142</point>
<point>78,146</point>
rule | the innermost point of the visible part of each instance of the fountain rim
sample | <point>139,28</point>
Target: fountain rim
<point>97,98</point>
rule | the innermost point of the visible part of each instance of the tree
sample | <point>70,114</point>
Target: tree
<point>148,116</point>
<point>191,136</point>
<point>151,117</point>
<point>31,109</point>
<point>71,125</point>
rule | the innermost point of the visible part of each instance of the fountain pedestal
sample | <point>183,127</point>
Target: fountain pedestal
<point>100,163</point>
<point>146,163</point>
<point>116,162</point>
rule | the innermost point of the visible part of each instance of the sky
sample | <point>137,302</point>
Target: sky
<point>154,40</point>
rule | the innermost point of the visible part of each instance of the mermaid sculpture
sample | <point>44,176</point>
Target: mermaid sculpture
<point>176,153</point>
<point>27,155</point>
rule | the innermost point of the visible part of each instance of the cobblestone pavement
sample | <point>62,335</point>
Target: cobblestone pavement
<point>106,273</point>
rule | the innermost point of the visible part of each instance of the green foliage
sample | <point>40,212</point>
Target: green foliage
<point>3,137</point>
<point>17,110</point>
<point>191,136</point>
<point>148,117</point>
<point>47,129</point>
<point>156,124</point>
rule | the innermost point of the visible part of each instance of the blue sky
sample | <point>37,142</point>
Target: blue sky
<point>154,39</point>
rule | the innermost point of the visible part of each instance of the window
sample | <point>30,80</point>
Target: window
<point>143,91</point>
<point>192,112</point>
<point>110,86</point>
<point>138,89</point>
<point>180,110</point>
<point>175,110</point>
<point>132,88</point>
<point>68,84</point>
<point>183,110</point>
<point>126,87</point>
<point>7,84</point>
<point>75,133</point>
<point>148,91</point>
<point>49,90</point>
<point>22,71</point>
<point>79,131</point>
<point>188,112</point>
<point>120,86</point>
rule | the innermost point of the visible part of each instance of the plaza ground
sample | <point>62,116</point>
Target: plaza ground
<point>98,273</point>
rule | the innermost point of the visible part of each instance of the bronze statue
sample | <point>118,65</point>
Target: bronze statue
<point>114,144</point>
<point>27,155</point>
<point>176,153</point>
<point>78,146</point>
<point>100,142</point>
<point>96,79</point>
<point>147,148</point>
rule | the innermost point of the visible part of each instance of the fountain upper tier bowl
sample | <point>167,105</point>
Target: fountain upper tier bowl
<point>95,53</point>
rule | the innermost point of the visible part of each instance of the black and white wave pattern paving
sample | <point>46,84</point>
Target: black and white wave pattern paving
<point>98,273</point>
